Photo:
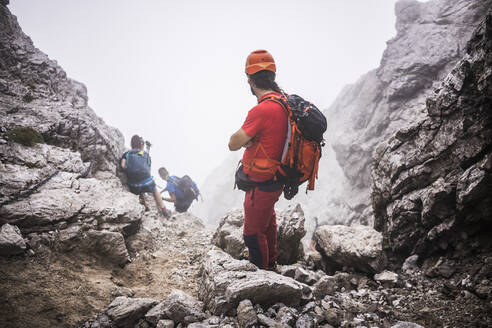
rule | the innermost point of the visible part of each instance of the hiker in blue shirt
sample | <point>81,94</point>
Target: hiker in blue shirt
<point>182,191</point>
<point>136,164</point>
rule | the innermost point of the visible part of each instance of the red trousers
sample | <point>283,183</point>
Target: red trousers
<point>260,226</point>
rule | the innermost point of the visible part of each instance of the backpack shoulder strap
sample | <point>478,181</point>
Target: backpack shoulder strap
<point>174,180</point>
<point>146,155</point>
<point>279,100</point>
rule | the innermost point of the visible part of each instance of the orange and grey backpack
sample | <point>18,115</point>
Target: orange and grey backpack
<point>302,149</point>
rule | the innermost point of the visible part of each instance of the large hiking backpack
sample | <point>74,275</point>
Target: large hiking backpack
<point>302,149</point>
<point>137,165</point>
<point>188,188</point>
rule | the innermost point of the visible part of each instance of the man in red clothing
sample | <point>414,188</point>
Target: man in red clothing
<point>263,134</point>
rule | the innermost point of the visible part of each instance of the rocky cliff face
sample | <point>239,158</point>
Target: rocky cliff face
<point>433,180</point>
<point>58,159</point>
<point>37,93</point>
<point>431,38</point>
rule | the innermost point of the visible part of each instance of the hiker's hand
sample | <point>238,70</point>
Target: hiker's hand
<point>249,144</point>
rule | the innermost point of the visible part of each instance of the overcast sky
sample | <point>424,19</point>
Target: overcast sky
<point>173,71</point>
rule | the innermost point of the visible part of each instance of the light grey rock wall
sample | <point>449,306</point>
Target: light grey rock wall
<point>36,92</point>
<point>431,38</point>
<point>59,181</point>
<point>432,180</point>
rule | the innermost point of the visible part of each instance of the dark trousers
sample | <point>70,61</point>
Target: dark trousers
<point>260,226</point>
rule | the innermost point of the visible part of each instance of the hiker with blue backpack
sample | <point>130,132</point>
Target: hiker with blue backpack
<point>136,164</point>
<point>182,191</point>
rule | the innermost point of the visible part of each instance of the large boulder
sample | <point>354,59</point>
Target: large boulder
<point>66,198</point>
<point>179,307</point>
<point>246,314</point>
<point>108,245</point>
<point>358,247</point>
<point>225,282</point>
<point>229,233</point>
<point>290,231</point>
<point>124,312</point>
<point>11,241</point>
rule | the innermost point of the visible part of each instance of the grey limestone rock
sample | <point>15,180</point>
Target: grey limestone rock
<point>157,313</point>
<point>125,312</point>
<point>246,314</point>
<point>183,308</point>
<point>432,180</point>
<point>290,231</point>
<point>107,244</point>
<point>213,320</point>
<point>225,282</point>
<point>328,285</point>
<point>286,316</point>
<point>430,40</point>
<point>306,321</point>
<point>288,270</point>
<point>37,93</point>
<point>306,276</point>
<point>59,161</point>
<point>11,241</point>
<point>406,324</point>
<point>102,321</point>
<point>359,247</point>
<point>410,264</point>
<point>229,234</point>
<point>165,324</point>
<point>333,316</point>
<point>387,278</point>
<point>266,321</point>
<point>199,325</point>
<point>325,286</point>
<point>66,198</point>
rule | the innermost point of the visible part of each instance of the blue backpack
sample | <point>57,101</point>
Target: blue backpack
<point>137,166</point>
<point>188,188</point>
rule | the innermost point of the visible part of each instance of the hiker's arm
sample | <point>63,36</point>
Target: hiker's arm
<point>123,164</point>
<point>172,199</point>
<point>312,245</point>
<point>238,140</point>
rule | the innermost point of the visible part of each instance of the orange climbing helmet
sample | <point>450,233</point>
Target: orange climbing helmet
<point>260,60</point>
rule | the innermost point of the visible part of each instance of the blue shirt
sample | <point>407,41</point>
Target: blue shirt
<point>172,187</point>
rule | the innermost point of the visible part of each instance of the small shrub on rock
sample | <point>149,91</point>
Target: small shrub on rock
<point>25,135</point>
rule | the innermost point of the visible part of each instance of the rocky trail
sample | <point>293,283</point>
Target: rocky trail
<point>72,289</point>
<point>63,290</point>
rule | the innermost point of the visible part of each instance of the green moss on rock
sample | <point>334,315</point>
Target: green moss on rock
<point>25,135</point>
